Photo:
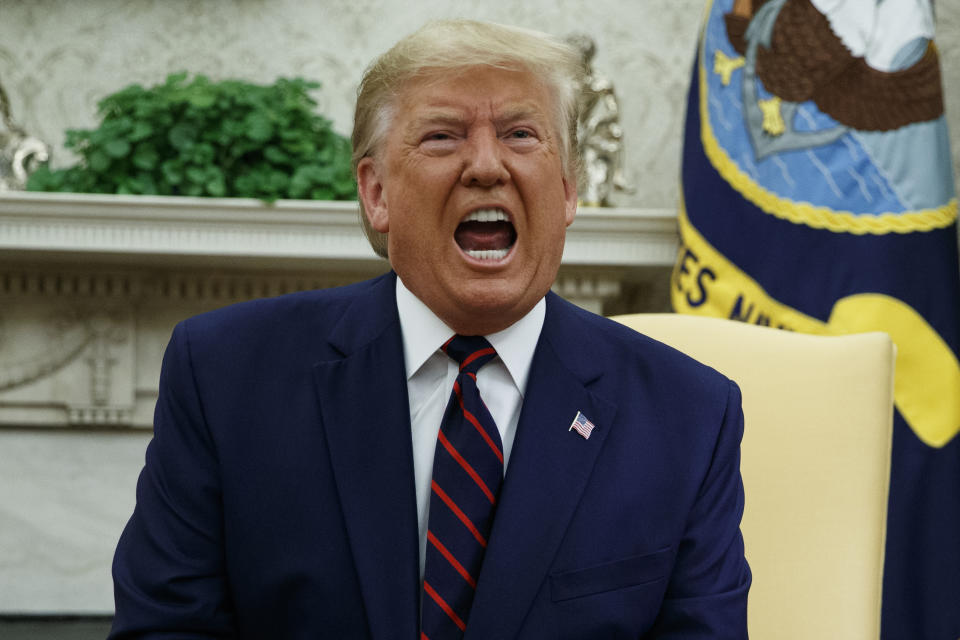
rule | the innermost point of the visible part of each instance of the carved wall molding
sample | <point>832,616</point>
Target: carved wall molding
<point>66,362</point>
<point>60,350</point>
<point>589,290</point>
<point>133,285</point>
<point>96,416</point>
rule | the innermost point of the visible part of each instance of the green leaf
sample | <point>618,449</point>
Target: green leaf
<point>245,185</point>
<point>199,137</point>
<point>145,157</point>
<point>181,136</point>
<point>136,184</point>
<point>118,148</point>
<point>346,189</point>
<point>176,78</point>
<point>99,161</point>
<point>196,175</point>
<point>75,138</point>
<point>44,179</point>
<point>202,99</point>
<point>300,182</point>
<point>216,184</point>
<point>278,181</point>
<point>325,174</point>
<point>172,172</point>
<point>258,127</point>
<point>146,184</point>
<point>275,155</point>
<point>302,147</point>
<point>141,130</point>
<point>202,153</point>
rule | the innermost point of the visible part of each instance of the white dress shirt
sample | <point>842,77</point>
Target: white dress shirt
<point>430,376</point>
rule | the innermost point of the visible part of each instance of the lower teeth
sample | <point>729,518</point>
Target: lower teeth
<point>488,254</point>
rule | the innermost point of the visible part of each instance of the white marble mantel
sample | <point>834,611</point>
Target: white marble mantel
<point>90,288</point>
<point>168,229</point>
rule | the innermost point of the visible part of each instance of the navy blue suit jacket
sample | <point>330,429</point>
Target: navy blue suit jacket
<point>277,499</point>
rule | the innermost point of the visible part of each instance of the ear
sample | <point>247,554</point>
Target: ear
<point>570,199</point>
<point>370,188</point>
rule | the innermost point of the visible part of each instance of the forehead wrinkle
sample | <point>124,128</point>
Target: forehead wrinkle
<point>523,110</point>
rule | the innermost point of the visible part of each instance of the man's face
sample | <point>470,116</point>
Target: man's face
<point>470,186</point>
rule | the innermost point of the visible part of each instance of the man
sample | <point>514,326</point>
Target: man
<point>293,485</point>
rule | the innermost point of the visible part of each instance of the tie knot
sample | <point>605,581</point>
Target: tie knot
<point>472,352</point>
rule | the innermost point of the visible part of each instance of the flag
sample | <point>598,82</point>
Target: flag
<point>818,196</point>
<point>582,426</point>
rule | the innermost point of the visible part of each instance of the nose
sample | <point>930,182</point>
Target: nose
<point>483,161</point>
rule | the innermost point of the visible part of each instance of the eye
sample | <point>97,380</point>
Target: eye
<point>438,142</point>
<point>521,139</point>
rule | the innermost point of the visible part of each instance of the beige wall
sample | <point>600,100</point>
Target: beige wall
<point>57,58</point>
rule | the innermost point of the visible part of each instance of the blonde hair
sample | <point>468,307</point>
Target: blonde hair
<point>446,46</point>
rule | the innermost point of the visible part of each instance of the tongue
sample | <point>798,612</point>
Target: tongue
<point>479,236</point>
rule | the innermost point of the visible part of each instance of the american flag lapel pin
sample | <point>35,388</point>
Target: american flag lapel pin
<point>581,425</point>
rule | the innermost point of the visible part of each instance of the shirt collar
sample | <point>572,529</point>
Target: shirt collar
<point>423,333</point>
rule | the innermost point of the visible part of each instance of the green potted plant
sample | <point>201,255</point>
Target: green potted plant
<point>202,138</point>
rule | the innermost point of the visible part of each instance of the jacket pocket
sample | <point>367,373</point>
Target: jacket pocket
<point>610,576</point>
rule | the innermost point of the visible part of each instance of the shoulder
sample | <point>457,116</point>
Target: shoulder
<point>282,326</point>
<point>627,352</point>
<point>303,306</point>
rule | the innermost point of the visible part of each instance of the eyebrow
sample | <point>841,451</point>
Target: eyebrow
<point>442,115</point>
<point>449,118</point>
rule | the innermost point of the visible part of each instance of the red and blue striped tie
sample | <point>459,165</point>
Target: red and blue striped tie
<point>467,473</point>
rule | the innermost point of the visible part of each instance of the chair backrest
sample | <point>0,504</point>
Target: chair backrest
<point>815,461</point>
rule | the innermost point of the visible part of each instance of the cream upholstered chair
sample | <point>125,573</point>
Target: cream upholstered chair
<point>815,460</point>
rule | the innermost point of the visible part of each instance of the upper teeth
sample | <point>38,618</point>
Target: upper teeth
<point>487,215</point>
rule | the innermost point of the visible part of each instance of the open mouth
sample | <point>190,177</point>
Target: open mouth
<point>486,234</point>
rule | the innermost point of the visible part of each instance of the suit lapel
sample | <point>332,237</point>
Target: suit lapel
<point>547,473</point>
<point>372,459</point>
